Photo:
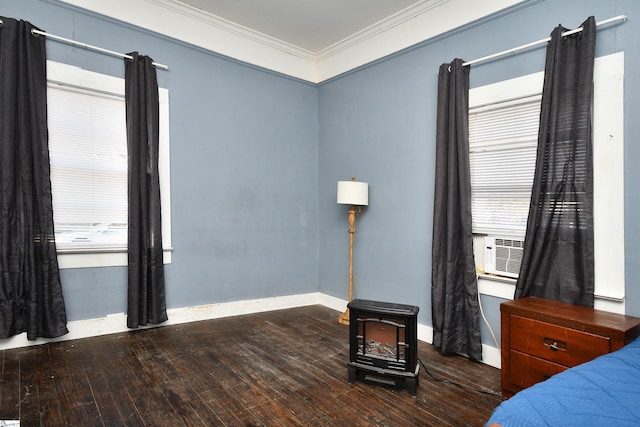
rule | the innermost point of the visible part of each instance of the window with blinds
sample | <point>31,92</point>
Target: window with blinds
<point>503,127</point>
<point>88,155</point>
<point>502,152</point>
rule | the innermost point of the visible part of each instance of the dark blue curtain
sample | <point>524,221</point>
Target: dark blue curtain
<point>454,288</point>
<point>558,251</point>
<point>30,291</point>
<point>146,293</point>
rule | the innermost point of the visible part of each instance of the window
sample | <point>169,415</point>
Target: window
<point>88,152</point>
<point>503,137</point>
<point>503,125</point>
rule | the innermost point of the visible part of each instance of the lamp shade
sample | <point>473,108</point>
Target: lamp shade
<point>353,193</point>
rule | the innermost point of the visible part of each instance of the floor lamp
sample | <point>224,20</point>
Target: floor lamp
<point>355,194</point>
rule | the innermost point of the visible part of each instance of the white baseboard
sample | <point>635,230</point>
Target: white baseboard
<point>491,356</point>
<point>337,304</point>
<point>117,322</point>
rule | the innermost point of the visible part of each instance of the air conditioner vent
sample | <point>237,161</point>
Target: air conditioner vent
<point>503,256</point>
<point>509,243</point>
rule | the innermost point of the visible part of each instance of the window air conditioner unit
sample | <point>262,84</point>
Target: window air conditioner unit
<point>503,256</point>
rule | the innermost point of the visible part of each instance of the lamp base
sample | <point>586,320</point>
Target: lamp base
<point>344,318</point>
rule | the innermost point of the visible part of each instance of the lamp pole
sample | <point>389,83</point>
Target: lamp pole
<point>344,317</point>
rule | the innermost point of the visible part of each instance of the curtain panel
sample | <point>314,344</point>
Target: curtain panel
<point>558,260</point>
<point>454,289</point>
<point>31,297</point>
<point>146,290</point>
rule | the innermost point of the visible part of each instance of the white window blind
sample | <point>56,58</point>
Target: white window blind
<point>88,152</point>
<point>502,151</point>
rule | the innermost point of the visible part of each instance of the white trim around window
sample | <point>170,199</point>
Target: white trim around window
<point>608,158</point>
<point>67,75</point>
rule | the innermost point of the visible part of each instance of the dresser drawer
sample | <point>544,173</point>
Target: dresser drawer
<point>541,337</point>
<point>526,370</point>
<point>568,347</point>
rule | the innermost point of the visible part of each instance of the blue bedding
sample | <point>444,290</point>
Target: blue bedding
<point>602,392</point>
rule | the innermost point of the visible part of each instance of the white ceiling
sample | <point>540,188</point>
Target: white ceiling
<point>313,40</point>
<point>312,25</point>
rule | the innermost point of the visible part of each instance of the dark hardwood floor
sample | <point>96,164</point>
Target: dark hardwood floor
<point>281,368</point>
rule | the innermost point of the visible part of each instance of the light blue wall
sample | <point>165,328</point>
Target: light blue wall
<point>255,158</point>
<point>243,169</point>
<point>378,123</point>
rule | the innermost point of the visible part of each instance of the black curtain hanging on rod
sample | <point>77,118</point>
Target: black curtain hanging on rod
<point>31,298</point>
<point>558,259</point>
<point>146,291</point>
<point>454,286</point>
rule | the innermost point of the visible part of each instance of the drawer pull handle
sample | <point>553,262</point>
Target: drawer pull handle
<point>554,345</point>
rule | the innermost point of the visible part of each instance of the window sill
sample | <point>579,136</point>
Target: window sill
<point>88,258</point>
<point>501,287</point>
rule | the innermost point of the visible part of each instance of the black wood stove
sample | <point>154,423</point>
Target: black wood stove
<point>383,341</point>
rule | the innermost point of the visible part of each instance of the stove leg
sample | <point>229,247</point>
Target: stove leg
<point>352,374</point>
<point>410,384</point>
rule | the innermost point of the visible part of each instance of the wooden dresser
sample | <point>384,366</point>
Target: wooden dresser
<point>541,338</point>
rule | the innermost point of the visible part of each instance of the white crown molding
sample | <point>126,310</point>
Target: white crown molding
<point>415,24</point>
<point>238,30</point>
<point>193,26</point>
<point>386,24</point>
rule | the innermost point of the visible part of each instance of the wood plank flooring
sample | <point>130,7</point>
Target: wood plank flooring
<point>281,368</point>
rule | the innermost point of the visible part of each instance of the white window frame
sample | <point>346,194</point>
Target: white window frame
<point>68,75</point>
<point>608,164</point>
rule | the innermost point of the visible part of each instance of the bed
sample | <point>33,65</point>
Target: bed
<point>602,392</point>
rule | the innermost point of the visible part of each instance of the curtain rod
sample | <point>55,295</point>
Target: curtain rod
<point>90,47</point>
<point>528,45</point>
<point>465,64</point>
